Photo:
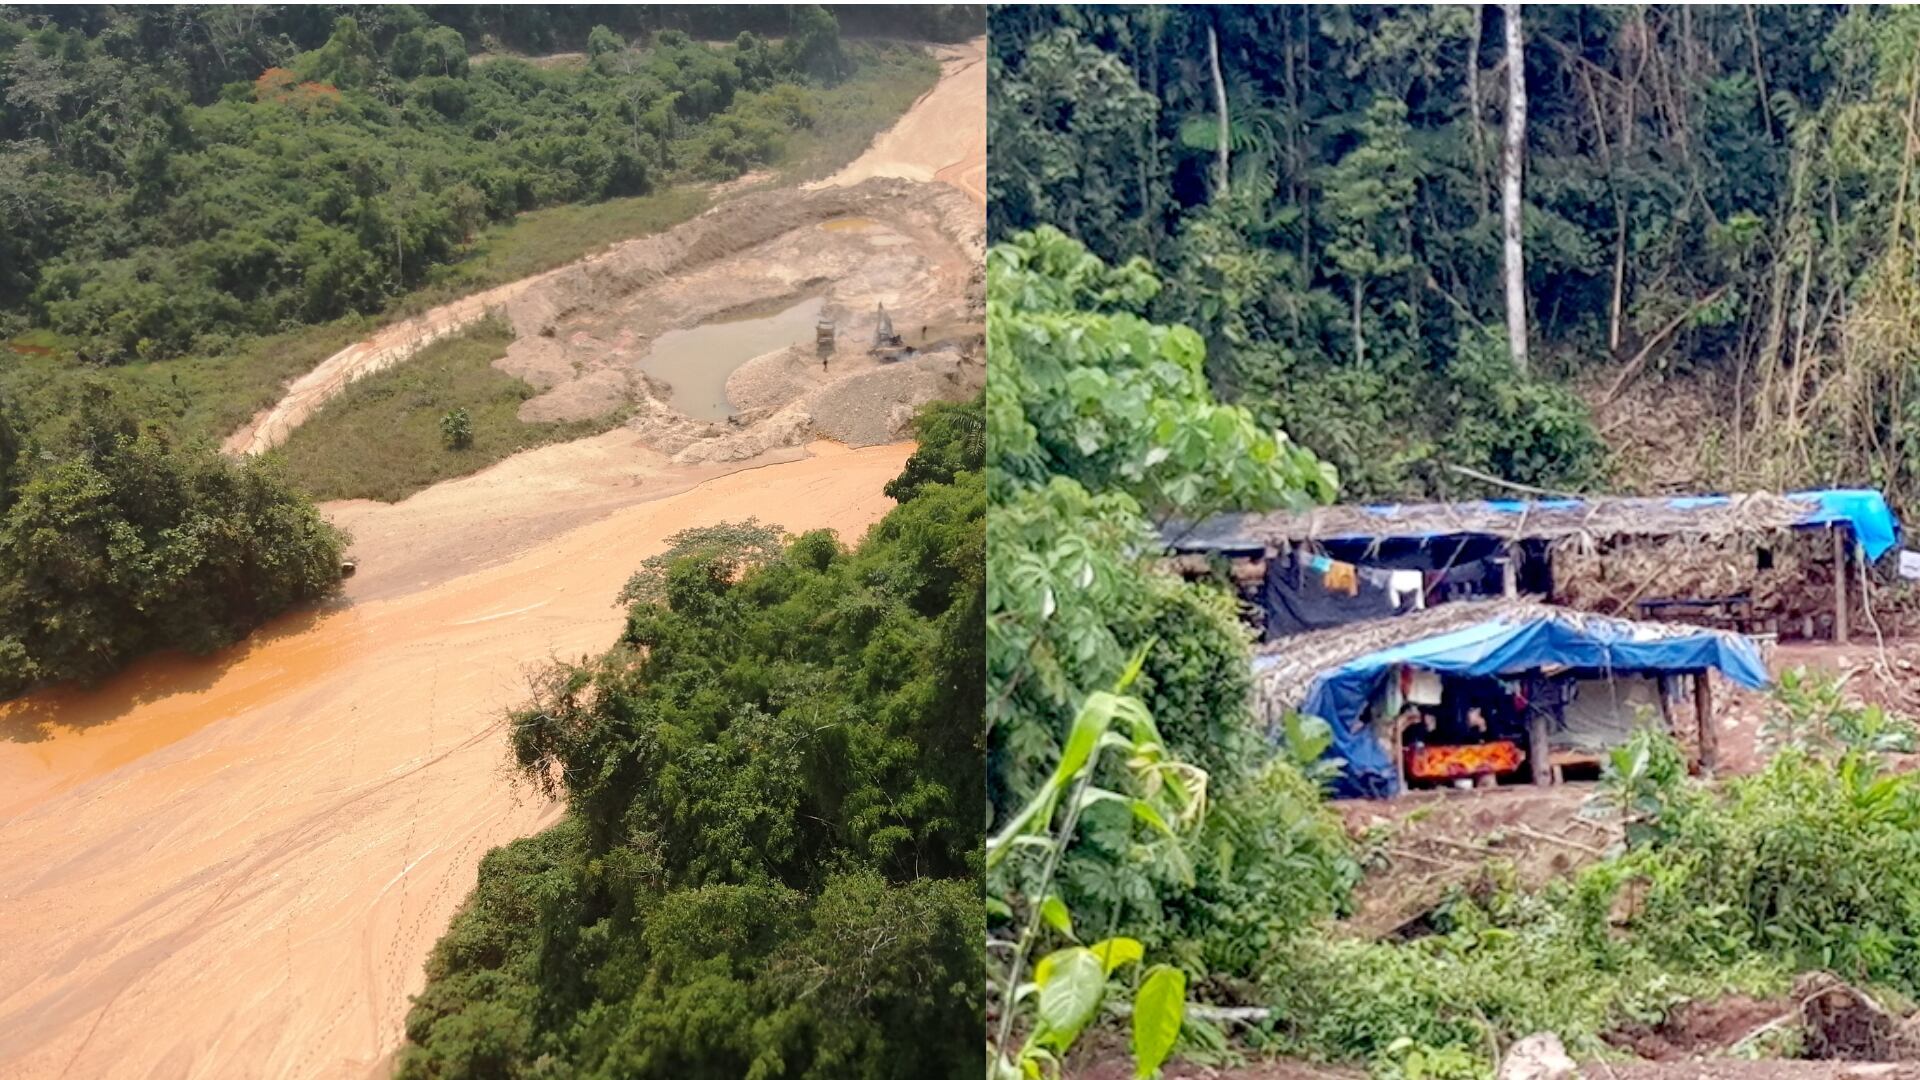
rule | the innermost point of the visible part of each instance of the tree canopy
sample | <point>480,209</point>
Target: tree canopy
<point>770,861</point>
<point>114,542</point>
<point>1716,192</point>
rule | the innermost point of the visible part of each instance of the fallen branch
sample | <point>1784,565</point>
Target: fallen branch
<point>1527,830</point>
<point>1445,864</point>
<point>1513,485</point>
<point>1640,358</point>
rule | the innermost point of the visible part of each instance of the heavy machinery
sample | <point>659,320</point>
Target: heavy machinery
<point>886,343</point>
<point>823,334</point>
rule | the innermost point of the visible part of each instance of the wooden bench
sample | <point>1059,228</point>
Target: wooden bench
<point>1558,760</point>
<point>1728,612</point>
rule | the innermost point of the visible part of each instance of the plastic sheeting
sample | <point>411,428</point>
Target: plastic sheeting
<point>1507,647</point>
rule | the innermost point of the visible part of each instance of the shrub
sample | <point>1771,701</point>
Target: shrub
<point>129,543</point>
<point>456,429</point>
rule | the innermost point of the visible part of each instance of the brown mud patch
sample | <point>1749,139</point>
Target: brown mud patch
<point>1423,846</point>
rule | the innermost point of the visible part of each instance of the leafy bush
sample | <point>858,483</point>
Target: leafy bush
<point>1099,424</point>
<point>1271,862</point>
<point>1069,985</point>
<point>116,542</point>
<point>456,429</point>
<point>1813,863</point>
<point>1809,711</point>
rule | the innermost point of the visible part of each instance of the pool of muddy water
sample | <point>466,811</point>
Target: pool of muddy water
<point>695,363</point>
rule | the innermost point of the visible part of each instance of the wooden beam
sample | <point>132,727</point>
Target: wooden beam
<point>1703,715</point>
<point>1510,574</point>
<point>1840,546</point>
<point>1537,753</point>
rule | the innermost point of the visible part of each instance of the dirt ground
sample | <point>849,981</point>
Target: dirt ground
<point>917,248</point>
<point>235,866</point>
<point>1118,1067</point>
<point>936,140</point>
<point>582,329</point>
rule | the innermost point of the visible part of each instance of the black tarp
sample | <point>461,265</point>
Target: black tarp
<point>1297,600</point>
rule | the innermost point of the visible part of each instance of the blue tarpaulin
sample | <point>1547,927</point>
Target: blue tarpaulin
<point>1507,645</point>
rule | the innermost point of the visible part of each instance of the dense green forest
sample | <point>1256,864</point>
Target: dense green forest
<point>1720,194</point>
<point>174,177</point>
<point>770,862</point>
<point>115,540</point>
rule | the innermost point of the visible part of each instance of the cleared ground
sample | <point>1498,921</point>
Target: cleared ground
<point>937,140</point>
<point>582,328</point>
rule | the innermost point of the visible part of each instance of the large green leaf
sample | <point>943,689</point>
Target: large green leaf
<point>1117,952</point>
<point>1158,1011</point>
<point>1071,983</point>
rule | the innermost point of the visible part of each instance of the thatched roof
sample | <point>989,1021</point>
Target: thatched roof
<point>1285,670</point>
<point>1587,520</point>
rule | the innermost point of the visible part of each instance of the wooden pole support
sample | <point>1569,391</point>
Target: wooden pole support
<point>1537,751</point>
<point>1839,583</point>
<point>1510,575</point>
<point>1703,715</point>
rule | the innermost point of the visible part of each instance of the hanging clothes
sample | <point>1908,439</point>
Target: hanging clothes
<point>1297,599</point>
<point>1341,578</point>
<point>1408,589</point>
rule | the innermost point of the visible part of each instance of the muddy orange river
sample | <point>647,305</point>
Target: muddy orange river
<point>236,866</point>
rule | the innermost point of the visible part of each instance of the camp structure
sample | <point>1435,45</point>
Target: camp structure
<point>1793,565</point>
<point>1496,691</point>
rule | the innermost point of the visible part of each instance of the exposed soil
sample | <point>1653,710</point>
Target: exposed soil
<point>583,327</point>
<point>1425,844</point>
<point>1114,1064</point>
<point>1699,1028</point>
<point>581,333</point>
<point>936,140</point>
<point>1737,1069</point>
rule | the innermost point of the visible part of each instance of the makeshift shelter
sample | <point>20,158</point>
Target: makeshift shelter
<point>1759,560</point>
<point>1518,665</point>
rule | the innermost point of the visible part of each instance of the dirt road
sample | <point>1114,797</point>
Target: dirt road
<point>235,867</point>
<point>944,136</point>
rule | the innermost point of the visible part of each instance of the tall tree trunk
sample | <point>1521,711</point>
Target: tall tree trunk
<point>1510,165</point>
<point>1220,107</point>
